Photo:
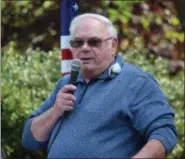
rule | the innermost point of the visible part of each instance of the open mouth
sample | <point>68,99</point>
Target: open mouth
<point>85,59</point>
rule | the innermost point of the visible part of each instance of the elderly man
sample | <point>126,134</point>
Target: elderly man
<point>116,111</point>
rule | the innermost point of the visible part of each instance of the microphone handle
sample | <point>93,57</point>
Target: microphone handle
<point>73,77</point>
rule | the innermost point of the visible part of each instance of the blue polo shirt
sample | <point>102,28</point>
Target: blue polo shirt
<point>114,116</point>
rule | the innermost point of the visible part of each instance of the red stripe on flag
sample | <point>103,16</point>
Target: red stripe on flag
<point>66,54</point>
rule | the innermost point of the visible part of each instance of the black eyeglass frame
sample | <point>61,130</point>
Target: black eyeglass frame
<point>89,42</point>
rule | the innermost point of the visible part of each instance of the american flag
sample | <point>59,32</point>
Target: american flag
<point>68,10</point>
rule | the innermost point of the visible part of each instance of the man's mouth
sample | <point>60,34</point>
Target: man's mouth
<point>85,59</point>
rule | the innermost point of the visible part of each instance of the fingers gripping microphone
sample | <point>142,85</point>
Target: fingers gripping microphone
<point>75,69</point>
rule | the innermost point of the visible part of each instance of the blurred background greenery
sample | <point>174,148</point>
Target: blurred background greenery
<point>150,36</point>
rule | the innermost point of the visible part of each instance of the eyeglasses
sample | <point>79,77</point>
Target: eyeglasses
<point>92,42</point>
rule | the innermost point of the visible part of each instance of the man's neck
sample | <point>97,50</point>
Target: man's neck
<point>88,74</point>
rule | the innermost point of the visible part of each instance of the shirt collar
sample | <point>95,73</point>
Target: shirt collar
<point>112,70</point>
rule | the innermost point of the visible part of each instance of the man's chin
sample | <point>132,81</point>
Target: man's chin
<point>87,67</point>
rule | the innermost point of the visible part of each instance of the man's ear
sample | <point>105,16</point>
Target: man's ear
<point>114,46</point>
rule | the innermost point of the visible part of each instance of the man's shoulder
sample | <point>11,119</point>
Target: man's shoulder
<point>63,80</point>
<point>136,75</point>
<point>133,71</point>
<point>65,77</point>
<point>130,71</point>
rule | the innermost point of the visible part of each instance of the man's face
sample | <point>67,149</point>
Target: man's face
<point>95,59</point>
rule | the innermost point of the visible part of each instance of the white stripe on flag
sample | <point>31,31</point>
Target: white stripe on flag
<point>64,41</point>
<point>66,66</point>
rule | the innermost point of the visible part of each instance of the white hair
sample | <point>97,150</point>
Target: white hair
<point>110,27</point>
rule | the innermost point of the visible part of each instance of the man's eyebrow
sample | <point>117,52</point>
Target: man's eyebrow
<point>95,37</point>
<point>77,38</point>
<point>87,38</point>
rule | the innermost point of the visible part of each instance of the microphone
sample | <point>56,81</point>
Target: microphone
<point>75,69</point>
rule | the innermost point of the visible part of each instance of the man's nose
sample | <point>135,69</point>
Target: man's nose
<point>85,46</point>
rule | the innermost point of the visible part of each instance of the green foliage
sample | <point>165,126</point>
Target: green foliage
<point>34,23</point>
<point>119,13</point>
<point>145,24</point>
<point>26,83</point>
<point>24,9</point>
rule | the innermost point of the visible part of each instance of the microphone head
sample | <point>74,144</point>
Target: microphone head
<point>76,65</point>
<point>75,69</point>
